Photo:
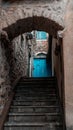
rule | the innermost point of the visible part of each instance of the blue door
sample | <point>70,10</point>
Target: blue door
<point>41,68</point>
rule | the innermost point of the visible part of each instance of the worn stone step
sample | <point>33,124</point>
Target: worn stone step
<point>34,117</point>
<point>34,114</point>
<point>35,94</point>
<point>35,103</point>
<point>35,98</point>
<point>36,87</point>
<point>41,84</point>
<point>38,82</point>
<point>34,91</point>
<point>37,78</point>
<point>33,126</point>
<point>37,109</point>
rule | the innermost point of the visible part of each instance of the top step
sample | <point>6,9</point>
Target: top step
<point>30,79</point>
<point>38,78</point>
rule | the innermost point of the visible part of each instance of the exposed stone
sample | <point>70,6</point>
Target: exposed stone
<point>4,77</point>
<point>1,80</point>
<point>20,58</point>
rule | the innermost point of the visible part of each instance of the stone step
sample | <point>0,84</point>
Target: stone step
<point>34,114</point>
<point>34,103</point>
<point>22,117</point>
<point>35,98</point>
<point>42,84</point>
<point>35,94</point>
<point>39,80</point>
<point>36,109</point>
<point>34,91</point>
<point>33,126</point>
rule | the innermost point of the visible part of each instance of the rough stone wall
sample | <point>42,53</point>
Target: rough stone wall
<point>20,57</point>
<point>68,64</point>
<point>13,65</point>
<point>53,9</point>
<point>5,85</point>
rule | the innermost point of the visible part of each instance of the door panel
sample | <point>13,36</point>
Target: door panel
<point>41,68</point>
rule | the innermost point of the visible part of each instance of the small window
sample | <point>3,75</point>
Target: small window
<point>40,35</point>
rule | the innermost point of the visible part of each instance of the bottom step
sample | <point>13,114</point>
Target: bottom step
<point>31,126</point>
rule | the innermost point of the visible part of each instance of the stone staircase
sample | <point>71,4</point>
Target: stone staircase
<point>36,106</point>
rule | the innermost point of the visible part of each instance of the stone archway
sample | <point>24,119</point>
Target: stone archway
<point>47,16</point>
<point>32,23</point>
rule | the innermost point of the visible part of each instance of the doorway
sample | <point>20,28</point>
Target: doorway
<point>40,67</point>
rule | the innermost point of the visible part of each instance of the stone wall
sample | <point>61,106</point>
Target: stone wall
<point>13,64</point>
<point>41,46</point>
<point>5,85</point>
<point>68,64</point>
<point>20,58</point>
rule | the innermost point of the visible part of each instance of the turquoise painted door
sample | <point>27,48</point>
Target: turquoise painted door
<point>41,68</point>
